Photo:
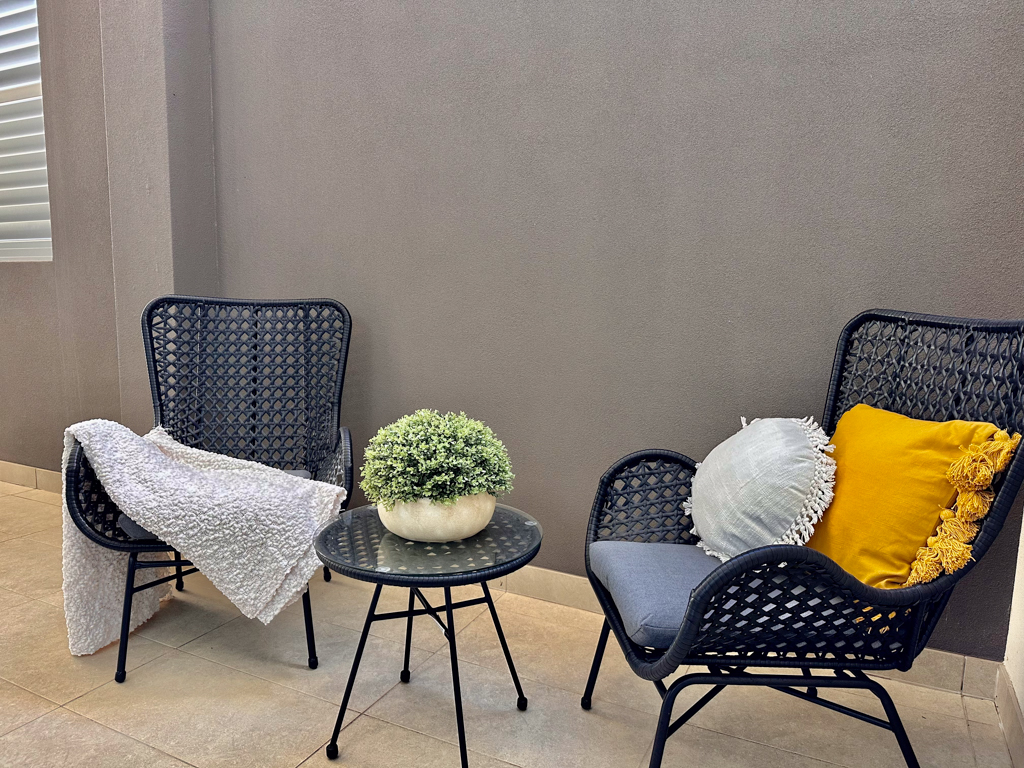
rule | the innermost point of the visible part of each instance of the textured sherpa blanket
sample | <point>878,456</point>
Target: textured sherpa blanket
<point>249,528</point>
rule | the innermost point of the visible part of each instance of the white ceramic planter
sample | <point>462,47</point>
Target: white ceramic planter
<point>423,520</point>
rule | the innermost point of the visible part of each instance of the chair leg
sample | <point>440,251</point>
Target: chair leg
<point>327,573</point>
<point>521,702</point>
<point>179,583</point>
<point>897,725</point>
<point>405,676</point>
<point>602,641</point>
<point>126,619</point>
<point>812,691</point>
<point>664,722</point>
<point>307,614</point>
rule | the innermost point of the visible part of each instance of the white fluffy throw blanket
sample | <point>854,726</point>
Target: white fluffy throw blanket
<point>249,528</point>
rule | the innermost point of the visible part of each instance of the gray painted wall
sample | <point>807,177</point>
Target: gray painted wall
<point>604,226</point>
<point>58,349</point>
<point>597,226</point>
<point>129,134</point>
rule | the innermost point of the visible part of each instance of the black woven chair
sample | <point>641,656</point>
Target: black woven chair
<point>255,380</point>
<point>792,607</point>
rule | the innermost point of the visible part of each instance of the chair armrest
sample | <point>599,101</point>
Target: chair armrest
<point>94,512</point>
<point>337,469</point>
<point>789,600</point>
<point>640,498</point>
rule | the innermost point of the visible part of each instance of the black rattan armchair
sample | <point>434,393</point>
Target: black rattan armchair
<point>792,607</point>
<point>255,380</point>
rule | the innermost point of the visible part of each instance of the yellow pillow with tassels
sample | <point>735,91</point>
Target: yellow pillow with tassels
<point>908,494</point>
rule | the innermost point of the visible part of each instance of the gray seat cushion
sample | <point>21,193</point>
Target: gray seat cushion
<point>650,584</point>
<point>136,531</point>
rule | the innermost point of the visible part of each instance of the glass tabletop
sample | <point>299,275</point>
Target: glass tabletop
<point>358,545</point>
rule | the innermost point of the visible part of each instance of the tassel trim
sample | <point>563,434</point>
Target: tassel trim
<point>818,497</point>
<point>971,475</point>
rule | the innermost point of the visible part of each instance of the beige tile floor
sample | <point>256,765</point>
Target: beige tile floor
<point>207,687</point>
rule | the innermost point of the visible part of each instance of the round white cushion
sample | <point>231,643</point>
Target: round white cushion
<point>770,483</point>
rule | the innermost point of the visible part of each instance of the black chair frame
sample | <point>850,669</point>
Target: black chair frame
<point>792,607</point>
<point>259,380</point>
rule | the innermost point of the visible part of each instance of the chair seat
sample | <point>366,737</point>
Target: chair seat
<point>650,585</point>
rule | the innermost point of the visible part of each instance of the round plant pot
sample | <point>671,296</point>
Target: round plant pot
<point>423,520</point>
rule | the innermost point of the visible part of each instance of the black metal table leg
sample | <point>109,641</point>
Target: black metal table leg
<point>456,687</point>
<point>332,748</point>
<point>521,702</point>
<point>408,637</point>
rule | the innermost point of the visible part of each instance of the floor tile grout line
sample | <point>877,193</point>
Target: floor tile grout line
<point>768,746</point>
<point>643,758</point>
<point>34,693</point>
<point>192,640</point>
<point>111,680</point>
<point>18,728</point>
<point>257,677</point>
<point>284,685</point>
<point>435,738</point>
<point>455,742</point>
<point>21,536</point>
<point>128,735</point>
<point>344,727</point>
<point>79,714</point>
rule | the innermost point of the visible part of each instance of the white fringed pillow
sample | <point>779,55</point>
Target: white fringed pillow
<point>770,483</point>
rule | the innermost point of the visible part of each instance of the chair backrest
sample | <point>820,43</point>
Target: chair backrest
<point>257,380</point>
<point>936,368</point>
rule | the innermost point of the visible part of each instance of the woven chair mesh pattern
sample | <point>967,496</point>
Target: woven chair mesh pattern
<point>254,381</point>
<point>95,513</point>
<point>644,503</point>
<point>934,372</point>
<point>99,511</point>
<point>789,609</point>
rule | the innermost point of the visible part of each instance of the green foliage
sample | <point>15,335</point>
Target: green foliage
<point>430,456</point>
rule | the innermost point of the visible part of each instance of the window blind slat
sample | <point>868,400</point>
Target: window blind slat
<point>19,56</point>
<point>14,22</point>
<point>22,179</point>
<point>23,75</point>
<point>30,126</point>
<point>19,110</point>
<point>14,40</point>
<point>8,7</point>
<point>34,212</point>
<point>24,196</point>
<point>26,250</point>
<point>20,92</point>
<point>29,161</point>
<point>24,230</point>
<point>22,144</point>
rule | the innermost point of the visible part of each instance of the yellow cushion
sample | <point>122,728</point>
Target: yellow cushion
<point>892,493</point>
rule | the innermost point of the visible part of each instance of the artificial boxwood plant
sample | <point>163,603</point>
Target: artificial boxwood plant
<point>429,456</point>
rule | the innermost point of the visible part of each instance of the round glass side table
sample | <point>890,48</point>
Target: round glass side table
<point>359,546</point>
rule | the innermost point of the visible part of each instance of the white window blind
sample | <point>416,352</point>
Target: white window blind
<point>24,198</point>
